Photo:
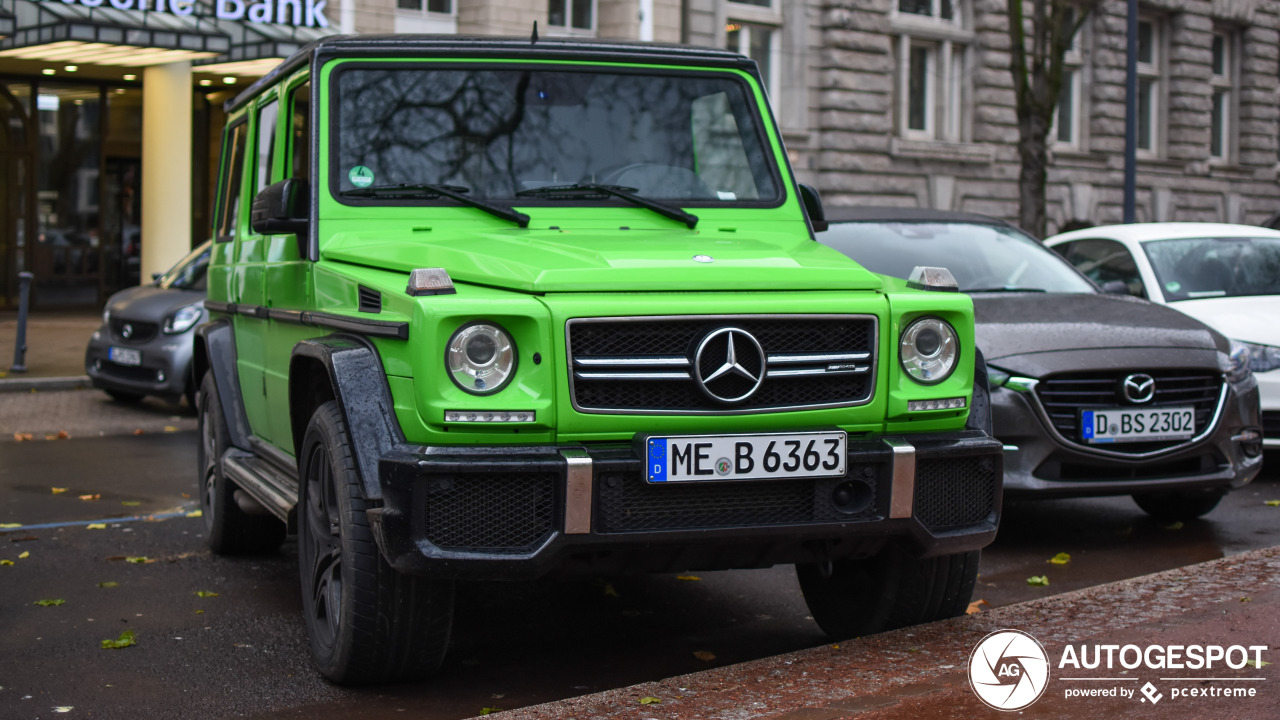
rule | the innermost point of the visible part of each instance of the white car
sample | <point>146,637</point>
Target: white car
<point>1226,276</point>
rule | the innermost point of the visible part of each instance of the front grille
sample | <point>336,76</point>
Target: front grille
<point>626,503</point>
<point>139,332</point>
<point>498,513</point>
<point>127,372</point>
<point>1271,424</point>
<point>955,492</point>
<point>1064,396</point>
<point>651,364</point>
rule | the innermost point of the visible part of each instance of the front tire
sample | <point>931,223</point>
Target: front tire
<point>365,621</point>
<point>1178,505</point>
<point>888,590</point>
<point>231,530</point>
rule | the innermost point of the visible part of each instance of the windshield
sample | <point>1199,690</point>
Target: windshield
<point>189,273</point>
<point>1192,268</point>
<point>983,258</point>
<point>493,133</point>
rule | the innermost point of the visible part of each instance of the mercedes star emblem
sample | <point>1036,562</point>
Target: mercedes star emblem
<point>729,365</point>
<point>127,331</point>
<point>1138,388</point>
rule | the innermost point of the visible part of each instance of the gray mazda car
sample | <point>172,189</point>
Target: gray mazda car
<point>145,342</point>
<point>1092,393</point>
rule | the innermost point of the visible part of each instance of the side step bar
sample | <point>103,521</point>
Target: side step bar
<point>266,482</point>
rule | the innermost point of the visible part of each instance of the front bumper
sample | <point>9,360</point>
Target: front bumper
<point>524,512</point>
<point>1269,393</point>
<point>166,364</point>
<point>1039,463</point>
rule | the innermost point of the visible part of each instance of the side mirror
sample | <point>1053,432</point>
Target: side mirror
<point>813,206</point>
<point>280,208</point>
<point>1115,287</point>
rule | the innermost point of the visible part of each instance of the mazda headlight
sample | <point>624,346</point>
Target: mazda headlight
<point>1262,358</point>
<point>481,358</point>
<point>929,349</point>
<point>182,320</point>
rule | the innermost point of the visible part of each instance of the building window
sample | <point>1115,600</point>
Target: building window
<point>1222,82</point>
<point>1149,85</point>
<point>425,16</point>
<point>756,42</point>
<point>444,7</point>
<point>1066,120</point>
<point>931,58</point>
<point>572,17</point>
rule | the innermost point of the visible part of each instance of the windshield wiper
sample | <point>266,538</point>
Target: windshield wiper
<point>578,190</point>
<point>1006,288</point>
<point>429,190</point>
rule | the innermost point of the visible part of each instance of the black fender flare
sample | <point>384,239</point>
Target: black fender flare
<point>348,369</point>
<point>215,352</point>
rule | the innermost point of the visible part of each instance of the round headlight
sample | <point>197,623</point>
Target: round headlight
<point>481,358</point>
<point>929,349</point>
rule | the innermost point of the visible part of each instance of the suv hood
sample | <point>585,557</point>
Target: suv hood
<point>617,260</point>
<point>1020,324</point>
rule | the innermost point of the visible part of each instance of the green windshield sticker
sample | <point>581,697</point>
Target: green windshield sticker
<point>361,176</point>
<point>1173,286</point>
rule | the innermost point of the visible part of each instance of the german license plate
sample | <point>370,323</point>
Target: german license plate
<point>1119,425</point>
<point>124,356</point>
<point>695,458</point>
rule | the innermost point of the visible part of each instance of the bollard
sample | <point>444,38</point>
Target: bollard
<point>20,342</point>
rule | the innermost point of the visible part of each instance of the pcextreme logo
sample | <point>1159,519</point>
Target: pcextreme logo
<point>1009,670</point>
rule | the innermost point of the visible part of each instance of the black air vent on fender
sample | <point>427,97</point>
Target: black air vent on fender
<point>370,300</point>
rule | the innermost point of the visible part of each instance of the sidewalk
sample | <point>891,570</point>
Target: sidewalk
<point>921,672</point>
<point>55,349</point>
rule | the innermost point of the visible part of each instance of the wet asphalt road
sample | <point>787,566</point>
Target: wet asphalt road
<point>242,652</point>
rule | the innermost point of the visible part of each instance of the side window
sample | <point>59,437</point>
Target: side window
<point>233,172</point>
<point>1105,261</point>
<point>300,132</point>
<point>266,144</point>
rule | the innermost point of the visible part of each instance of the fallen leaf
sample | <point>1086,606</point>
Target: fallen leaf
<point>64,708</point>
<point>199,612</point>
<point>108,584</point>
<point>25,554</point>
<point>1273,503</point>
<point>690,578</point>
<point>608,590</point>
<point>139,560</point>
<point>486,711</point>
<point>96,526</point>
<point>1174,526</point>
<point>22,437</point>
<point>1257,663</point>
<point>137,431</point>
<point>206,594</point>
<point>1060,559</point>
<point>90,498</point>
<point>1038,581</point>
<point>704,655</point>
<point>63,435</point>
<point>9,526</point>
<point>24,538</point>
<point>130,503</point>
<point>126,639</point>
<point>649,700</point>
<point>58,491</point>
<point>50,437</point>
<point>170,428</point>
<point>50,602</point>
<point>195,513</point>
<point>6,562</point>
<point>975,607</point>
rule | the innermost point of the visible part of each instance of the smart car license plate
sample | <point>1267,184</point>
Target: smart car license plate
<point>694,458</point>
<point>1118,425</point>
<point>124,356</point>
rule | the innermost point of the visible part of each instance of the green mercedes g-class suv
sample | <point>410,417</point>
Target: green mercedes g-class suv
<point>506,308</point>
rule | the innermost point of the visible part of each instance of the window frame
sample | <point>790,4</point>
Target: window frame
<point>1223,126</point>
<point>1151,72</point>
<point>1073,89</point>
<point>568,28</point>
<point>948,43</point>
<point>231,180</point>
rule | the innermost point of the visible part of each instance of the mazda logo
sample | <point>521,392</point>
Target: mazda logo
<point>1138,388</point>
<point>127,331</point>
<point>729,365</point>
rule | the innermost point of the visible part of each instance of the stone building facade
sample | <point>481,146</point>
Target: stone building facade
<point>910,102</point>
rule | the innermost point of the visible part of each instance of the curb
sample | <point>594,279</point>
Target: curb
<point>21,384</point>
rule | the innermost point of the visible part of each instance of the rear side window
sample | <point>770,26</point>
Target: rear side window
<point>229,206</point>
<point>300,132</point>
<point>266,143</point>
